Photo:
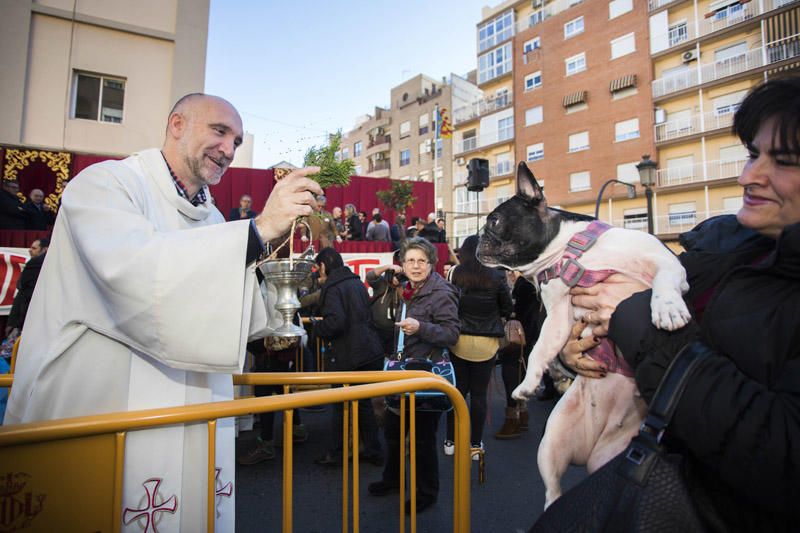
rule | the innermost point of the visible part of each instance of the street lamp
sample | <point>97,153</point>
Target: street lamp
<point>647,177</point>
<point>631,194</point>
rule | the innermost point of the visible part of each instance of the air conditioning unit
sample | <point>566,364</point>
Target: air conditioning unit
<point>537,3</point>
<point>460,161</point>
<point>690,55</point>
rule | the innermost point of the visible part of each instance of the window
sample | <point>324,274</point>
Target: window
<point>573,27</point>
<point>729,53</point>
<point>496,30</point>
<point>424,147</point>
<point>579,141</point>
<point>729,12</point>
<point>405,129</point>
<point>423,124</point>
<point>495,63</point>
<point>684,214</point>
<point>532,81</point>
<point>533,44</point>
<point>622,46</point>
<point>98,98</point>
<point>358,148</point>
<point>680,169</point>
<point>503,164</point>
<point>469,141</point>
<point>728,103</point>
<point>575,64</point>
<point>502,98</point>
<point>678,33</point>
<point>624,93</point>
<point>732,204</point>
<point>628,172</point>
<point>627,129</point>
<point>535,152</point>
<point>579,181</point>
<point>619,7</point>
<point>534,115</point>
<point>635,218</point>
<point>503,193</point>
<point>505,128</point>
<point>536,18</point>
<point>405,157</point>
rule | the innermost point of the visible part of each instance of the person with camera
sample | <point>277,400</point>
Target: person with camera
<point>385,282</point>
<point>430,325</point>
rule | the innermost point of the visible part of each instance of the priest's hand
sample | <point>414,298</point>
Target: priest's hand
<point>292,197</point>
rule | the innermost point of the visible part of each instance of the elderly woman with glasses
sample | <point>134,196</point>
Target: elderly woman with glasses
<point>430,326</point>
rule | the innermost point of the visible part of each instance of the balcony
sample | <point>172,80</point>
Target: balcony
<point>774,52</point>
<point>700,172</point>
<point>481,108</point>
<point>726,18</point>
<point>482,141</point>
<point>671,223</point>
<point>550,10</point>
<point>685,127</point>
<point>652,5</point>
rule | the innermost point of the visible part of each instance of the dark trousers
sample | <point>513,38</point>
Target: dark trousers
<point>511,371</point>
<point>472,378</point>
<point>367,424</point>
<point>427,458</point>
<point>267,363</point>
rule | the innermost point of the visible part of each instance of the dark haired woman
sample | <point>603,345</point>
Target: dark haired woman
<point>351,343</point>
<point>485,302</point>
<point>738,419</point>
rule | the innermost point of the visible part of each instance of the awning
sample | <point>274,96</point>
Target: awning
<point>577,97</point>
<point>622,83</point>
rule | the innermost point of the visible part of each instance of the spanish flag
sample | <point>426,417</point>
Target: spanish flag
<point>444,129</point>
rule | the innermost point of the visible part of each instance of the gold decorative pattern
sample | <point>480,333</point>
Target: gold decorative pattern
<point>58,162</point>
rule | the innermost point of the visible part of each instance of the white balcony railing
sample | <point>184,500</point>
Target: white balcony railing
<point>671,223</point>
<point>699,172</point>
<point>774,52</point>
<point>482,107</point>
<point>485,139</point>
<point>652,5</point>
<point>683,127</point>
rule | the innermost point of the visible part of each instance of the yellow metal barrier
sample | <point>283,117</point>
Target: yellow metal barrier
<point>81,459</point>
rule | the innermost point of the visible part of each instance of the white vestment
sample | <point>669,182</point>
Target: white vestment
<point>144,301</point>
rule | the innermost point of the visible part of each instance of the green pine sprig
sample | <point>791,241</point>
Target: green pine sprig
<point>332,173</point>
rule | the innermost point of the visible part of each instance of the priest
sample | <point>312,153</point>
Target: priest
<point>147,300</point>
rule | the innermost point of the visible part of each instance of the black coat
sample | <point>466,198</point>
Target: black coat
<point>25,285</point>
<point>38,219</point>
<point>739,417</point>
<point>528,309</point>
<point>481,310</point>
<point>12,212</point>
<point>354,228</point>
<point>235,214</point>
<point>350,338</point>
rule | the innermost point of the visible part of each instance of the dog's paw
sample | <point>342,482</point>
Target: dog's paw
<point>669,311</point>
<point>525,390</point>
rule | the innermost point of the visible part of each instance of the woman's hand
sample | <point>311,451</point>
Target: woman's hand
<point>573,355</point>
<point>409,326</point>
<point>602,299</point>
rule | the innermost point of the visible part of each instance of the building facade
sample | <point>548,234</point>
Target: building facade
<point>97,77</point>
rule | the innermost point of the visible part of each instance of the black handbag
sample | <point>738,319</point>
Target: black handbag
<point>645,488</point>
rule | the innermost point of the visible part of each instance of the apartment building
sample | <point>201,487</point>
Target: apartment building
<point>484,127</point>
<point>583,109</point>
<point>97,77</point>
<point>706,55</point>
<point>369,145</point>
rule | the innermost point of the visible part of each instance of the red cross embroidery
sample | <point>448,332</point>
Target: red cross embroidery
<point>148,512</point>
<point>221,490</point>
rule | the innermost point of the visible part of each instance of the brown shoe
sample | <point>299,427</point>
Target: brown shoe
<point>510,429</point>
<point>262,451</point>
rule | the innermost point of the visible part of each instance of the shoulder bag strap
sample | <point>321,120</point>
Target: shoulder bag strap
<point>401,337</point>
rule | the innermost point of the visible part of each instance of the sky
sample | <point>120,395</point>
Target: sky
<point>299,69</point>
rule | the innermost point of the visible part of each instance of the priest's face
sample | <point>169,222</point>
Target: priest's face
<point>212,133</point>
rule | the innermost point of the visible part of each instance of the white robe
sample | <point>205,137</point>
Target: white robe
<point>144,301</point>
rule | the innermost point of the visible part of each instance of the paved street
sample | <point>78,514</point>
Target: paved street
<point>509,500</point>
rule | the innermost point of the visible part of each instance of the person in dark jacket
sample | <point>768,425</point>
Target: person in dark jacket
<point>12,212</point>
<point>244,210</point>
<point>431,325</point>
<point>738,420</point>
<point>40,216</point>
<point>355,231</point>
<point>351,343</point>
<point>26,284</point>
<point>485,302</point>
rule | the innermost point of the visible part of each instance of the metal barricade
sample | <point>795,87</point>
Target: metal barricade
<point>80,459</point>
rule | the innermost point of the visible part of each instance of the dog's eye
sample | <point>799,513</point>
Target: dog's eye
<point>493,221</point>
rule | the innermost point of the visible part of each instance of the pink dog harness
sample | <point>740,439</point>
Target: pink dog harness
<point>573,274</point>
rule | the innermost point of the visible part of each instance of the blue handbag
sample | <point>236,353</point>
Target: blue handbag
<point>438,363</point>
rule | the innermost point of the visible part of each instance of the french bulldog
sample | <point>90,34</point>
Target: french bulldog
<point>596,418</point>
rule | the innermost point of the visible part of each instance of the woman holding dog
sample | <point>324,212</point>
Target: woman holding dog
<point>485,301</point>
<point>430,326</point>
<point>738,420</point>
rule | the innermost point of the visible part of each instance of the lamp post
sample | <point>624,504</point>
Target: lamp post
<point>647,177</point>
<point>631,194</point>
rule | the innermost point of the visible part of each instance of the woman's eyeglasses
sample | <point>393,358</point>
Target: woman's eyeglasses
<point>420,262</point>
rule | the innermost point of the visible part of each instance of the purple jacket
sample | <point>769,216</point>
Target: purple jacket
<point>435,305</point>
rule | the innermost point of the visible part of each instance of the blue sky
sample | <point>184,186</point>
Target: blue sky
<point>297,69</point>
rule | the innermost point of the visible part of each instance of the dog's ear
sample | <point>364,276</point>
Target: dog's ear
<point>527,186</point>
